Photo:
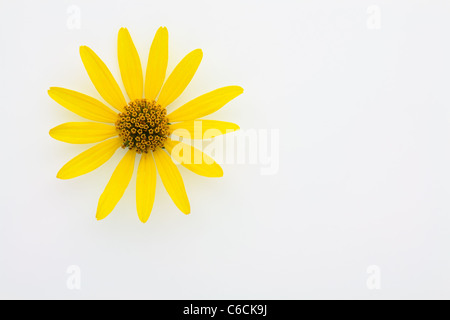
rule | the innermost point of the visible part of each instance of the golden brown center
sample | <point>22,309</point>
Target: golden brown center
<point>143,126</point>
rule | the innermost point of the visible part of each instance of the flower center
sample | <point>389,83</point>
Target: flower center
<point>143,126</point>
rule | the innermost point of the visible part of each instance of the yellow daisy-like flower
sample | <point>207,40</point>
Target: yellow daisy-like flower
<point>142,125</point>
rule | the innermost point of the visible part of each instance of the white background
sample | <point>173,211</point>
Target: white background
<point>364,161</point>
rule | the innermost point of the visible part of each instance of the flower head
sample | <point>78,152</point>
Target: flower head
<point>141,126</point>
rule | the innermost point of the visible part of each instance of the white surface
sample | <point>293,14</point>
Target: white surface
<point>364,179</point>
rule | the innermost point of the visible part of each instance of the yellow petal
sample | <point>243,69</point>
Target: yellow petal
<point>130,65</point>
<point>171,178</point>
<point>102,78</point>
<point>83,132</point>
<point>193,159</point>
<point>116,186</point>
<point>145,186</point>
<point>157,64</point>
<point>90,159</point>
<point>83,105</point>
<point>180,77</point>
<point>205,104</point>
<point>203,129</point>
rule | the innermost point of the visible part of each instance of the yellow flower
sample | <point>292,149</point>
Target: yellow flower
<point>142,125</point>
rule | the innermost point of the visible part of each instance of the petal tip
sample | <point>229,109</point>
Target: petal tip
<point>143,217</point>
<point>240,89</point>
<point>162,31</point>
<point>198,53</point>
<point>186,208</point>
<point>52,90</point>
<point>218,173</point>
<point>144,221</point>
<point>236,127</point>
<point>61,176</point>
<point>84,50</point>
<point>100,215</point>
<point>123,31</point>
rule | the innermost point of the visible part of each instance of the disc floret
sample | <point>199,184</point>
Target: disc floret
<point>143,126</point>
